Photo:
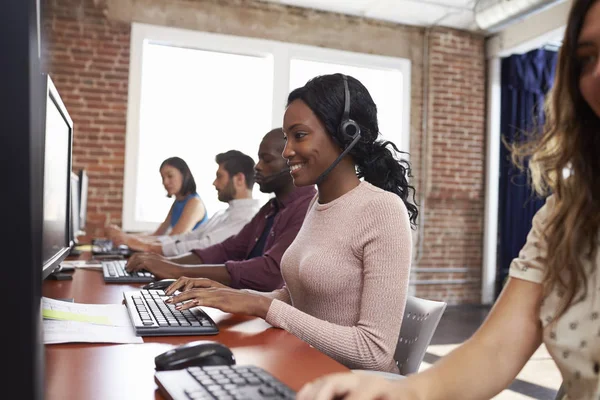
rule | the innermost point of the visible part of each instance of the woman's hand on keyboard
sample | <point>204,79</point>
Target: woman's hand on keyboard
<point>225,299</point>
<point>354,385</point>
<point>184,283</point>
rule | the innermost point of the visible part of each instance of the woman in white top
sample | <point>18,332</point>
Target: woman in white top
<point>553,294</point>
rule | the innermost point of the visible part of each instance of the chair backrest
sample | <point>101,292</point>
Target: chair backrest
<point>421,318</point>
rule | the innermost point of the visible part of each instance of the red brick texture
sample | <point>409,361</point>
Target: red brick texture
<point>454,189</point>
<point>88,59</point>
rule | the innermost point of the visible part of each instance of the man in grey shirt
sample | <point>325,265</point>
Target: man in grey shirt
<point>234,182</point>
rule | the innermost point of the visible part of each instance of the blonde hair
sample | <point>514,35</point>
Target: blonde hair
<point>570,140</point>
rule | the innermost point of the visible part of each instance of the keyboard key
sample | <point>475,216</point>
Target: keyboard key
<point>267,391</point>
<point>222,381</point>
<point>253,381</point>
<point>210,369</point>
<point>238,381</point>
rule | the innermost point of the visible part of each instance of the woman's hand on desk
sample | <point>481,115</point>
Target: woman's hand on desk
<point>225,299</point>
<point>354,386</point>
<point>157,265</point>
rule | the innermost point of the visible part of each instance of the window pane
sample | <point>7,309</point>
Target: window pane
<point>195,104</point>
<point>384,85</point>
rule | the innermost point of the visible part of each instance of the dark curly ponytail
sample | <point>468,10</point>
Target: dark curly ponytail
<point>375,161</point>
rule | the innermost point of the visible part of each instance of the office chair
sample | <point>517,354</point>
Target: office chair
<point>421,318</point>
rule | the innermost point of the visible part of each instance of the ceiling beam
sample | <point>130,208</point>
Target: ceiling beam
<point>530,33</point>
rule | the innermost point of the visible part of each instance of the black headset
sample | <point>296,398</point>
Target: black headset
<point>348,132</point>
<point>348,129</point>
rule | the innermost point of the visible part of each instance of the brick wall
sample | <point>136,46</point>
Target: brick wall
<point>88,57</point>
<point>454,186</point>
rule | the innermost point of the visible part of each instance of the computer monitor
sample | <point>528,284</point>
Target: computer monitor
<point>83,196</point>
<point>58,139</point>
<point>21,154</point>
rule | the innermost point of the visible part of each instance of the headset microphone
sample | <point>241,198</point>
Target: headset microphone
<point>348,131</point>
<point>276,175</point>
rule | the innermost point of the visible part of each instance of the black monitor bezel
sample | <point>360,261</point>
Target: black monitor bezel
<point>53,263</point>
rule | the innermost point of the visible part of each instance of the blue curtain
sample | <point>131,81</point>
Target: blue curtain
<point>526,80</point>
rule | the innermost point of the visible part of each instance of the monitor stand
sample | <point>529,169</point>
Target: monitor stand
<point>57,275</point>
<point>60,276</point>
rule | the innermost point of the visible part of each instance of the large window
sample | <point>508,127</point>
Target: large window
<point>194,95</point>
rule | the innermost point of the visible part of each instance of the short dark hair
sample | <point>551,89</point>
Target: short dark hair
<point>188,185</point>
<point>235,162</point>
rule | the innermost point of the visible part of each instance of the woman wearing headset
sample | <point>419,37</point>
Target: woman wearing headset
<point>346,273</point>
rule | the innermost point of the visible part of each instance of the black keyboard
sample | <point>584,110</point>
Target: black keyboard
<point>235,382</point>
<point>115,272</point>
<point>151,316</point>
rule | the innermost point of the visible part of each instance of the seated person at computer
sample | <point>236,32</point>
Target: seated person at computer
<point>346,274</point>
<point>234,183</point>
<point>250,259</point>
<point>187,211</point>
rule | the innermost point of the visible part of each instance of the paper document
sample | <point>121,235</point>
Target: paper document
<point>92,264</point>
<point>57,331</point>
<point>101,314</point>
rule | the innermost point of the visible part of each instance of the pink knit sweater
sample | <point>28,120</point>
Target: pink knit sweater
<point>346,278</point>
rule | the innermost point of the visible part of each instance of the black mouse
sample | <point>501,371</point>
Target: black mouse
<point>199,353</point>
<point>159,285</point>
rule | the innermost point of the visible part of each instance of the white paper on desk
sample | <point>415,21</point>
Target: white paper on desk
<point>82,264</point>
<point>57,331</point>
<point>100,314</point>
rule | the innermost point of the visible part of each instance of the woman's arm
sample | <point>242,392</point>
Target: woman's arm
<point>184,284</point>
<point>141,243</point>
<point>501,347</point>
<point>164,226</point>
<point>192,213</point>
<point>282,294</point>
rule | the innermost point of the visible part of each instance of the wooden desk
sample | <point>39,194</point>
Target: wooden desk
<point>126,371</point>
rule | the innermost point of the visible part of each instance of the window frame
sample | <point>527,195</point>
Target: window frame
<point>281,53</point>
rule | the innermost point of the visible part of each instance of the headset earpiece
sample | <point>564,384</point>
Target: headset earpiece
<point>348,129</point>
<point>348,133</point>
